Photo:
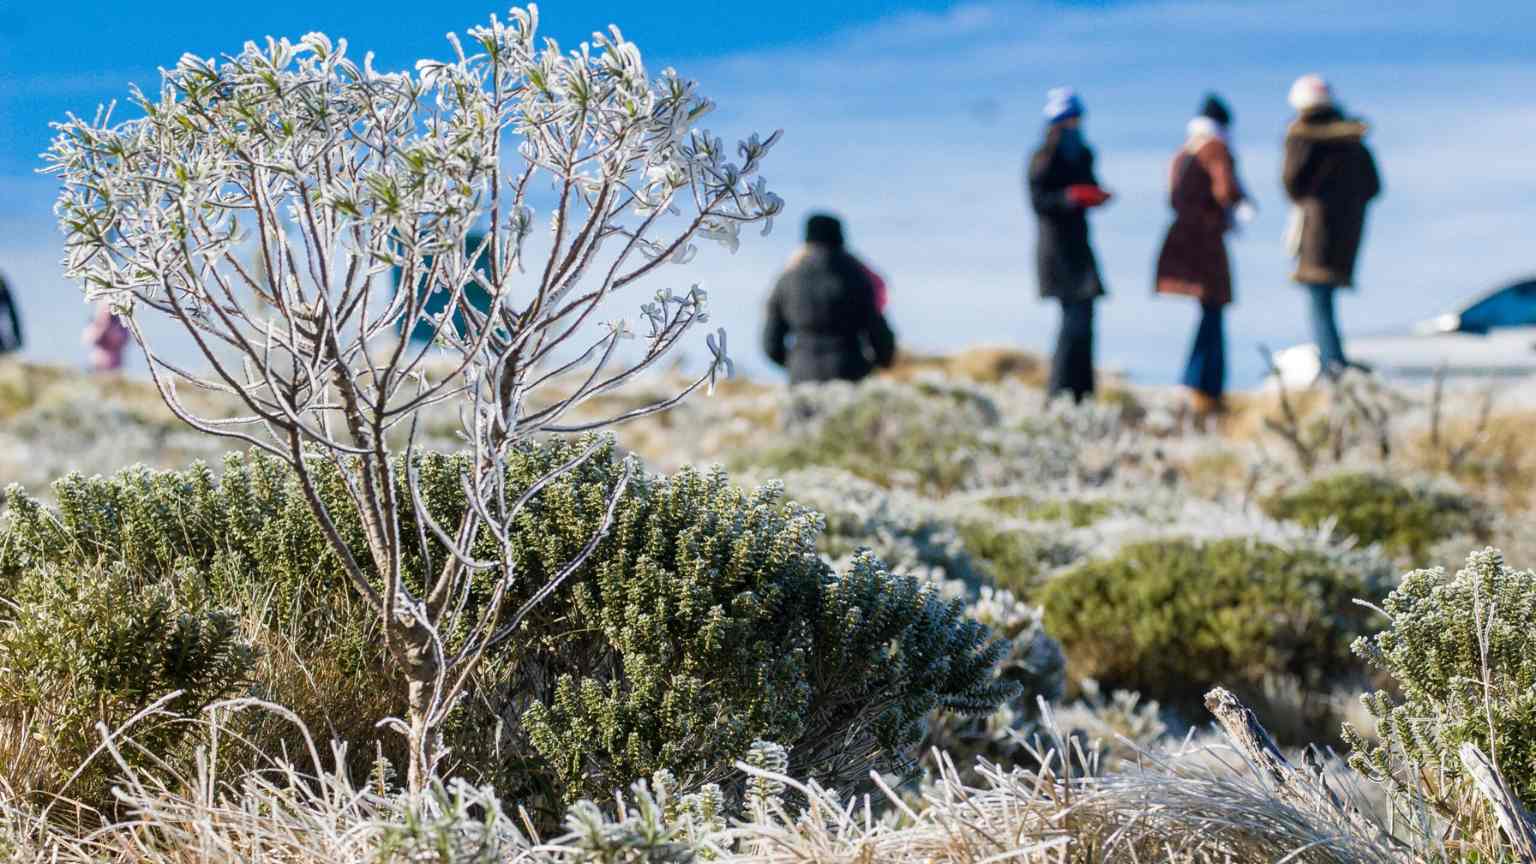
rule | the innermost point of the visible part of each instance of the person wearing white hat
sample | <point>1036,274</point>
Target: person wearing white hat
<point>1062,189</point>
<point>1330,177</point>
<point>1207,199</point>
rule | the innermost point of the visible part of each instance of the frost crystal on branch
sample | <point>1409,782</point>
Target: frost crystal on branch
<point>338,176</point>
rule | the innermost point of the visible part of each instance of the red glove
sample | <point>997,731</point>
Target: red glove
<point>1086,195</point>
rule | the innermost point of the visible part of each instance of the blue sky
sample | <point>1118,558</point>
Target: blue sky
<point>912,119</point>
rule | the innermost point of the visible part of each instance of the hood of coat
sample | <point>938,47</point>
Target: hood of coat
<point>1326,125</point>
<point>1202,131</point>
<point>808,255</point>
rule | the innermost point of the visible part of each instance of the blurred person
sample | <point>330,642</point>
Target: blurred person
<point>1208,201</point>
<point>1062,189</point>
<point>876,284</point>
<point>824,322</point>
<point>1330,176</point>
<point>106,336</point>
<point>10,320</point>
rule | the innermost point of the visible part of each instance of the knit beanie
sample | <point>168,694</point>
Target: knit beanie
<point>1061,103</point>
<point>1216,109</point>
<point>1310,91</point>
<point>824,230</point>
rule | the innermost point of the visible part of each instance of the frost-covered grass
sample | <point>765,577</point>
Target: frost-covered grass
<point>977,486</point>
<point>1199,801</point>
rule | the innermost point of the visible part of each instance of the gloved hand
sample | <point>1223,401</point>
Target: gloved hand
<point>1240,216</point>
<point>1086,195</point>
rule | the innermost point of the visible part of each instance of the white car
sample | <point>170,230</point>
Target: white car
<point>1494,336</point>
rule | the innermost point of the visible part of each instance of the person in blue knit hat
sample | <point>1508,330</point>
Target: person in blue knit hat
<point>1062,189</point>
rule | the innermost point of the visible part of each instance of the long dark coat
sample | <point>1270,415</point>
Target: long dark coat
<point>1331,176</point>
<point>1203,188</point>
<point>823,323</point>
<point>1064,258</point>
<point>10,320</point>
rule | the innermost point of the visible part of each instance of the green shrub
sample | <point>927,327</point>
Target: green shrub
<point>682,642</point>
<point>1172,618</point>
<point>704,621</point>
<point>1034,663</point>
<point>1077,512</point>
<point>1014,560</point>
<point>86,646</point>
<point>1461,653</point>
<point>896,438</point>
<point>1406,520</point>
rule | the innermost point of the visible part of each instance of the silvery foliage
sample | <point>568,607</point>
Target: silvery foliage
<point>339,174</point>
<point>1197,519</point>
<point>1035,659</point>
<point>917,536</point>
<point>911,534</point>
<point>989,439</point>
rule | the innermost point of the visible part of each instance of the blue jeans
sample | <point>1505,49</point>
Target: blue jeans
<point>1072,366</point>
<point>1207,368</point>
<point>1325,330</point>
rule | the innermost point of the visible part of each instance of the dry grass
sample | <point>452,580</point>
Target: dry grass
<point>980,364</point>
<point>1197,803</point>
<point>1247,412</point>
<point>1493,458</point>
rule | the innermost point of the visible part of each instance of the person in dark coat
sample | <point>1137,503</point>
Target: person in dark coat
<point>10,320</point>
<point>1206,197</point>
<point>823,321</point>
<point>1062,189</point>
<point>1330,176</point>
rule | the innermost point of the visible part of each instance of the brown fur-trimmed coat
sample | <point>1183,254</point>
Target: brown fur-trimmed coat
<point>1203,188</point>
<point>1329,173</point>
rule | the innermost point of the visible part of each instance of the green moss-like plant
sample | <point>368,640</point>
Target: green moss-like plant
<point>1407,521</point>
<point>1077,512</point>
<point>704,621</point>
<point>1015,560</point>
<point>1171,618</point>
<point>931,442</point>
<point>1461,652</point>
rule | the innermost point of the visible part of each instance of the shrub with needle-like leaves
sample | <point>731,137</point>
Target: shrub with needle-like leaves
<point>1460,651</point>
<point>703,621</point>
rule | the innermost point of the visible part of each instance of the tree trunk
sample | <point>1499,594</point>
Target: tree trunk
<point>422,671</point>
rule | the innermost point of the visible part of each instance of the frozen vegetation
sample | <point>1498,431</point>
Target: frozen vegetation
<point>1127,566</point>
<point>514,598</point>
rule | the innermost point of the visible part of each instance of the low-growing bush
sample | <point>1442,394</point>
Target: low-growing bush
<point>1461,654</point>
<point>1171,618</point>
<point>82,646</point>
<point>1077,512</point>
<point>705,620</point>
<point>940,541</point>
<point>908,532</point>
<point>1407,520</point>
<point>892,437</point>
<point>929,437</point>
<point>1013,559</point>
<point>1034,662</point>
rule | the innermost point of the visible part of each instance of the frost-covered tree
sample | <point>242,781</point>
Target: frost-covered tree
<point>340,176</point>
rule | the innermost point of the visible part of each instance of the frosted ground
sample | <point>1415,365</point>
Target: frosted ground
<point>955,470</point>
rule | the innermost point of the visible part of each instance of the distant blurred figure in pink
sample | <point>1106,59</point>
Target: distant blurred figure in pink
<point>106,336</point>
